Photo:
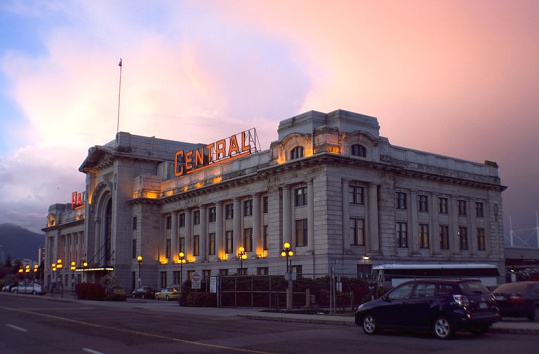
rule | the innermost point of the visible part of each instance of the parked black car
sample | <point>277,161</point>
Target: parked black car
<point>520,299</point>
<point>144,292</point>
<point>442,306</point>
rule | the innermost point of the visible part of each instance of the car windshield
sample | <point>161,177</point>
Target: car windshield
<point>473,288</point>
<point>512,288</point>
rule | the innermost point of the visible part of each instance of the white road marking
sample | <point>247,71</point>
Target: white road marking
<point>16,327</point>
<point>91,351</point>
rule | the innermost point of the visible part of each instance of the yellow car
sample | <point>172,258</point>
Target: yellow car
<point>168,294</point>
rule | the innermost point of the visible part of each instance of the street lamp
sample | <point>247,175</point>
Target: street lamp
<point>181,259</point>
<point>242,255</point>
<point>287,253</point>
<point>139,260</point>
<point>73,268</point>
<point>53,282</point>
<point>59,266</point>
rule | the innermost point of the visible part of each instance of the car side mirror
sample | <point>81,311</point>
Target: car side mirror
<point>386,298</point>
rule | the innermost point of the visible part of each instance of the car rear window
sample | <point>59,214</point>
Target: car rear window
<point>513,288</point>
<point>473,288</point>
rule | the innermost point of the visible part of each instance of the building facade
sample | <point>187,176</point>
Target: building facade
<point>154,211</point>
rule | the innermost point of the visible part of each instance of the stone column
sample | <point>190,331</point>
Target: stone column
<point>257,227</point>
<point>203,238</point>
<point>188,234</point>
<point>413,231</point>
<point>310,217</point>
<point>287,215</point>
<point>373,244</point>
<point>346,216</point>
<point>237,225</point>
<point>174,237</point>
<point>219,249</point>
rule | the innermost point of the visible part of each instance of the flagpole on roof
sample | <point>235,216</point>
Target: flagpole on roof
<point>119,91</point>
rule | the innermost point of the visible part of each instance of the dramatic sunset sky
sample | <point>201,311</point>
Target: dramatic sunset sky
<point>454,77</point>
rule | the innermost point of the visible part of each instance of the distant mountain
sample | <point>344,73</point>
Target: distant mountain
<point>19,243</point>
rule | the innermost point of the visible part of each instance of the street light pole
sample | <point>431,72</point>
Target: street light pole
<point>242,255</point>
<point>139,260</point>
<point>181,259</point>
<point>287,252</point>
<point>73,268</point>
<point>59,266</point>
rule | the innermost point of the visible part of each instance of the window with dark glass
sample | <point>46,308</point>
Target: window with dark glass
<point>359,150</point>
<point>265,204</point>
<point>134,249</point>
<point>223,272</point>
<point>357,195</point>
<point>357,232</point>
<point>424,236</point>
<point>229,241</point>
<point>168,249</point>
<point>300,196</point>
<point>181,223</point>
<point>481,239</point>
<point>423,203</point>
<point>479,212</point>
<point>248,207</point>
<point>169,222</point>
<point>229,211</point>
<point>212,214</point>
<point>181,244</point>
<point>265,237</point>
<point>443,206</point>
<point>301,232</point>
<point>134,222</point>
<point>196,245</point>
<point>262,271</point>
<point>196,217</point>
<point>248,239</point>
<point>402,235</point>
<point>462,207</point>
<point>401,200</point>
<point>444,237</point>
<point>296,152</point>
<point>463,238</point>
<point>211,243</point>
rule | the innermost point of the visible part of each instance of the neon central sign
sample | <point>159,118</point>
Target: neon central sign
<point>223,150</point>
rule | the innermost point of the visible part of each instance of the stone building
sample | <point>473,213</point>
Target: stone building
<point>330,185</point>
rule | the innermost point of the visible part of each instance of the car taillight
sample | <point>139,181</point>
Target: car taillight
<point>461,300</point>
<point>515,299</point>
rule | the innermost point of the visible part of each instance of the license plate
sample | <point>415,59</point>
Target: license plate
<point>483,305</point>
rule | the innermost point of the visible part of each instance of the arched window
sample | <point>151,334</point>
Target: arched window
<point>359,150</point>
<point>296,152</point>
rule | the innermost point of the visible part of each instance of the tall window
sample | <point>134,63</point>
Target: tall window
<point>481,239</point>
<point>262,271</point>
<point>265,236</point>
<point>423,235</point>
<point>211,243</point>
<point>444,237</point>
<point>134,248</point>
<point>229,242</point>
<point>357,195</point>
<point>359,150</point>
<point>169,222</point>
<point>462,207</point>
<point>265,204</point>
<point>423,203</point>
<point>182,244</point>
<point>479,212</point>
<point>248,207</point>
<point>229,211</point>
<point>301,232</point>
<point>181,223</point>
<point>402,234</point>
<point>212,214</point>
<point>196,245</point>
<point>168,249</point>
<point>296,152</point>
<point>357,232</point>
<point>300,196</point>
<point>248,239</point>
<point>463,238</point>
<point>401,200</point>
<point>443,207</point>
<point>134,222</point>
<point>196,217</point>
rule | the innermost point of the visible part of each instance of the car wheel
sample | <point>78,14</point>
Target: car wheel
<point>443,328</point>
<point>143,296</point>
<point>369,324</point>
<point>34,292</point>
